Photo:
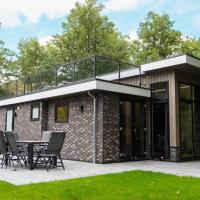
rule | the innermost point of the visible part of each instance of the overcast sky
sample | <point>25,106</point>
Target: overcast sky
<point>43,18</point>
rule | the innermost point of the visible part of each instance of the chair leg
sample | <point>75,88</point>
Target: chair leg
<point>48,161</point>
<point>36,161</point>
<point>61,161</point>
<point>2,161</point>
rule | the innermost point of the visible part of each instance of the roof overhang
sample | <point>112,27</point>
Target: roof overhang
<point>91,85</point>
<point>176,62</point>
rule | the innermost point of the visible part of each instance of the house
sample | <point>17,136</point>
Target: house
<point>111,111</point>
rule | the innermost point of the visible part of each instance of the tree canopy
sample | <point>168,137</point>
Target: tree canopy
<point>86,31</point>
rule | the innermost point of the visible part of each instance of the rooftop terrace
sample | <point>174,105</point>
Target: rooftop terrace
<point>87,68</point>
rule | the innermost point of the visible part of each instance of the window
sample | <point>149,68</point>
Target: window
<point>35,112</point>
<point>61,113</point>
<point>185,91</point>
<point>159,91</point>
<point>9,120</point>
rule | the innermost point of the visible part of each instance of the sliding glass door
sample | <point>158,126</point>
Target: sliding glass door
<point>132,126</point>
<point>189,106</point>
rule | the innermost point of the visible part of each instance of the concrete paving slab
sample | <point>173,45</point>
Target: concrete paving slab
<point>76,169</point>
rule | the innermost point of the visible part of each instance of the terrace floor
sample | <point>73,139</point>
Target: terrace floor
<point>75,169</point>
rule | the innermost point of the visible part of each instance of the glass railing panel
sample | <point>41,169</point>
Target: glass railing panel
<point>84,69</point>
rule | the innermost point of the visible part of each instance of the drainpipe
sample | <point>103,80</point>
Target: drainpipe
<point>94,127</point>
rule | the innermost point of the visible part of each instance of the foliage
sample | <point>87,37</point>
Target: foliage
<point>157,39</point>
<point>6,61</point>
<point>129,185</point>
<point>191,46</point>
<point>87,32</point>
<point>31,57</point>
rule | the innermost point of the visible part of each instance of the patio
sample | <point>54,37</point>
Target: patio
<point>76,169</point>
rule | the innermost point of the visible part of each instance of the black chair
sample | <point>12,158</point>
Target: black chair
<point>45,137</point>
<point>16,153</point>
<point>4,150</point>
<point>51,155</point>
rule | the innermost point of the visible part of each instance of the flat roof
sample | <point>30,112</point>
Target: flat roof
<point>90,85</point>
<point>174,62</point>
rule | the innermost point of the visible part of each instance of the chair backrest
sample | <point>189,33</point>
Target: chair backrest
<point>56,143</point>
<point>46,135</point>
<point>16,136</point>
<point>12,143</point>
<point>3,148</point>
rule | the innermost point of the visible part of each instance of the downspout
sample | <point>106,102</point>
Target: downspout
<point>94,126</point>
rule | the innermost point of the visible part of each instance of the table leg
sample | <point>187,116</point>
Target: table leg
<point>30,156</point>
<point>6,157</point>
<point>55,161</point>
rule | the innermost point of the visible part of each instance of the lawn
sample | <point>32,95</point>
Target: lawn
<point>134,185</point>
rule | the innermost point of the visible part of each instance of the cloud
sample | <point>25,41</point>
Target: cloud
<point>13,13</point>
<point>125,5</point>
<point>45,40</point>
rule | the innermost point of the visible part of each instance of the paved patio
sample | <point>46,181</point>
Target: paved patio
<point>75,169</point>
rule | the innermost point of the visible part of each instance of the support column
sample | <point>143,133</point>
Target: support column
<point>174,118</point>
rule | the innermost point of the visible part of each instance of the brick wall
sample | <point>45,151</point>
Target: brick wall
<point>111,128</point>
<point>27,129</point>
<point>2,118</point>
<point>78,141</point>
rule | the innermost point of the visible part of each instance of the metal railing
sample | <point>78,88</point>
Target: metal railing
<point>87,68</point>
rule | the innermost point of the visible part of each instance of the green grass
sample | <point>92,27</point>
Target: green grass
<point>136,185</point>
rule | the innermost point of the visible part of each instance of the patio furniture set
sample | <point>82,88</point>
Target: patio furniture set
<point>32,153</point>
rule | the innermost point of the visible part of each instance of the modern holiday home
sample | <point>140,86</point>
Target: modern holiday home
<point>111,111</point>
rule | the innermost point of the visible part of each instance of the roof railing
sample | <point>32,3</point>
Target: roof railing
<point>87,68</point>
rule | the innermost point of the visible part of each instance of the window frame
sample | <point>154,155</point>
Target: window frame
<point>35,105</point>
<point>55,113</point>
<point>13,117</point>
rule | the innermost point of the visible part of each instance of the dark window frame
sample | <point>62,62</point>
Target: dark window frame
<point>55,111</point>
<point>35,105</point>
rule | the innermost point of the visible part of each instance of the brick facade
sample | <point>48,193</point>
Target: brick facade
<point>78,143</point>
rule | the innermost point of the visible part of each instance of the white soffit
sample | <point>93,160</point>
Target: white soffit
<point>124,89</point>
<point>193,61</point>
<point>77,88</point>
<point>169,62</point>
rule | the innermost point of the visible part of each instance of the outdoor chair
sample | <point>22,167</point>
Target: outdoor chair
<point>4,150</point>
<point>50,156</point>
<point>16,153</point>
<point>46,135</point>
<point>22,147</point>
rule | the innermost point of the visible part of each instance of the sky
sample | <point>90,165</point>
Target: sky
<point>43,18</point>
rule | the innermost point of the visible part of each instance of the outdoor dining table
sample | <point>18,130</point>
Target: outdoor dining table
<point>31,144</point>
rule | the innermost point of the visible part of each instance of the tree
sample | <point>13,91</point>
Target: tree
<point>191,46</point>
<point>6,59</point>
<point>87,32</point>
<point>31,57</point>
<point>157,39</point>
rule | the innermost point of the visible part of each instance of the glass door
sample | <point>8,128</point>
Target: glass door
<point>132,135</point>
<point>126,130</point>
<point>160,121</point>
<point>160,142</point>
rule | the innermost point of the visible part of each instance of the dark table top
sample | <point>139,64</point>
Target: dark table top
<point>32,141</point>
